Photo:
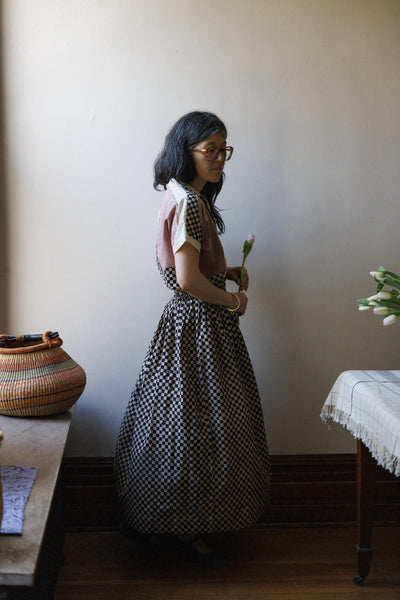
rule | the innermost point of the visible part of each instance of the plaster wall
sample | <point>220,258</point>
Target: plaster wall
<point>310,93</point>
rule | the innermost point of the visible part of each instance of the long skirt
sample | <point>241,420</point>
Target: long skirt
<point>192,454</point>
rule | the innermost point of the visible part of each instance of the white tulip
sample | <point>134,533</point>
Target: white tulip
<point>384,295</point>
<point>377,275</point>
<point>381,310</point>
<point>390,319</point>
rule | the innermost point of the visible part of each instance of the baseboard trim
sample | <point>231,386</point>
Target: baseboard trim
<point>307,490</point>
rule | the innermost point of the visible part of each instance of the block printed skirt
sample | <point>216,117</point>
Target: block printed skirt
<point>191,454</point>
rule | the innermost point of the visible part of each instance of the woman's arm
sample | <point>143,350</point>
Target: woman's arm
<point>194,283</point>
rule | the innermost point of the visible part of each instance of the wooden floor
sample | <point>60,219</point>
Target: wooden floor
<point>264,564</point>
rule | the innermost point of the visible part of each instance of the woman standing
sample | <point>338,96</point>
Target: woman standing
<point>191,455</point>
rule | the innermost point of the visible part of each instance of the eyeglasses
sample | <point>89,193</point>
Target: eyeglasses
<point>213,154</point>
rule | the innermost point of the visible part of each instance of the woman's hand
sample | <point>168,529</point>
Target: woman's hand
<point>233,273</point>
<point>194,283</point>
<point>243,303</point>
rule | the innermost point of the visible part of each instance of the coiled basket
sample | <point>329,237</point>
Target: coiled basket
<point>37,377</point>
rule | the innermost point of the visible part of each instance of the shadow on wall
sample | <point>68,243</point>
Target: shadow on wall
<point>90,429</point>
<point>4,266</point>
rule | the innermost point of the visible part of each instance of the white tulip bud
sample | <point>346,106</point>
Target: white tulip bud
<point>390,319</point>
<point>384,295</point>
<point>377,275</point>
<point>381,310</point>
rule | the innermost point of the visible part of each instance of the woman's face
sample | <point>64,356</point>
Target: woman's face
<point>208,168</point>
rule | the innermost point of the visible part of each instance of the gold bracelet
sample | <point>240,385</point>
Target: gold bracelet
<point>233,310</point>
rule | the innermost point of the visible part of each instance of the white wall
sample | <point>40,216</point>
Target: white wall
<point>310,92</point>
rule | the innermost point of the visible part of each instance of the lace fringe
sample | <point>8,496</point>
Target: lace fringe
<point>331,415</point>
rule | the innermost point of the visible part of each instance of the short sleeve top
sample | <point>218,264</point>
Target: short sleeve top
<point>184,217</point>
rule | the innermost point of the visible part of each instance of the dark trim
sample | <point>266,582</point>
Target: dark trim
<point>310,489</point>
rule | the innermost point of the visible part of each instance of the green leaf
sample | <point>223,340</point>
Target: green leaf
<point>393,304</point>
<point>392,282</point>
<point>247,248</point>
<point>392,275</point>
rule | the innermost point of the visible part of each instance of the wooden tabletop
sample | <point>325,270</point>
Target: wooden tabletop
<point>39,443</point>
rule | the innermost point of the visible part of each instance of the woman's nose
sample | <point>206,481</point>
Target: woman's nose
<point>221,156</point>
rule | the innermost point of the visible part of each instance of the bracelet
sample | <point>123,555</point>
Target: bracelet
<point>233,310</point>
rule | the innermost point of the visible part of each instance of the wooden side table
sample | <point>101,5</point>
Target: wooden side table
<point>367,403</point>
<point>29,562</point>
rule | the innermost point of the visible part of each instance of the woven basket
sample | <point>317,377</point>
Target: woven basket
<point>37,377</point>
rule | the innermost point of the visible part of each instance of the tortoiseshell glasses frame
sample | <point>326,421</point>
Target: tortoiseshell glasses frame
<point>213,154</point>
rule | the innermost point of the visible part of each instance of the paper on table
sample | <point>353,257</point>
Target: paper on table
<point>17,483</point>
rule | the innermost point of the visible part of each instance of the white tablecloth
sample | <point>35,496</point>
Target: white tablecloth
<point>367,403</point>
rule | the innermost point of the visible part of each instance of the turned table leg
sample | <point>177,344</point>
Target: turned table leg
<point>366,469</point>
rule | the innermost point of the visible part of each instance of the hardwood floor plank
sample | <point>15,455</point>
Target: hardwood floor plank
<point>264,564</point>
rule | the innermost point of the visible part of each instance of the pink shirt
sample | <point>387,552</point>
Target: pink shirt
<point>184,217</point>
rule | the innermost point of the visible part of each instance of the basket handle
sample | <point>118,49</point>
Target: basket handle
<point>48,337</point>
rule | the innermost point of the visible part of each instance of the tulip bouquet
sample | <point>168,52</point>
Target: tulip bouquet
<point>247,246</point>
<point>385,303</point>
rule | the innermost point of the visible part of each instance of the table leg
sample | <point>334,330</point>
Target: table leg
<point>366,471</point>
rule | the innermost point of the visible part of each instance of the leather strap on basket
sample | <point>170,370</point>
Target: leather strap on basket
<point>21,344</point>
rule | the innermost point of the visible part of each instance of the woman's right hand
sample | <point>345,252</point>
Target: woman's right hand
<point>243,303</point>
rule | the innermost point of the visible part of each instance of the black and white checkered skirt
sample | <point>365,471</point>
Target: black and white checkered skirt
<point>191,454</point>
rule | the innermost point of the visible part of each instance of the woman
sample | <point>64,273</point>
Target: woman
<point>191,455</point>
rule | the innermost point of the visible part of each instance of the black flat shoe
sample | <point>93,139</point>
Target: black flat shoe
<point>188,550</point>
<point>145,541</point>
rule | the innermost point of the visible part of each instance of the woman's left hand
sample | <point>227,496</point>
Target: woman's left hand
<point>233,273</point>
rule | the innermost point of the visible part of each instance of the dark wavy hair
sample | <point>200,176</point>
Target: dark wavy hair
<point>175,160</point>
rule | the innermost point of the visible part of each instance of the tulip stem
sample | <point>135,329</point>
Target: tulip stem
<point>241,274</point>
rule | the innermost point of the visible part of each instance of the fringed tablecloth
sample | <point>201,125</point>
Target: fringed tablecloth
<point>367,403</point>
<point>17,483</point>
